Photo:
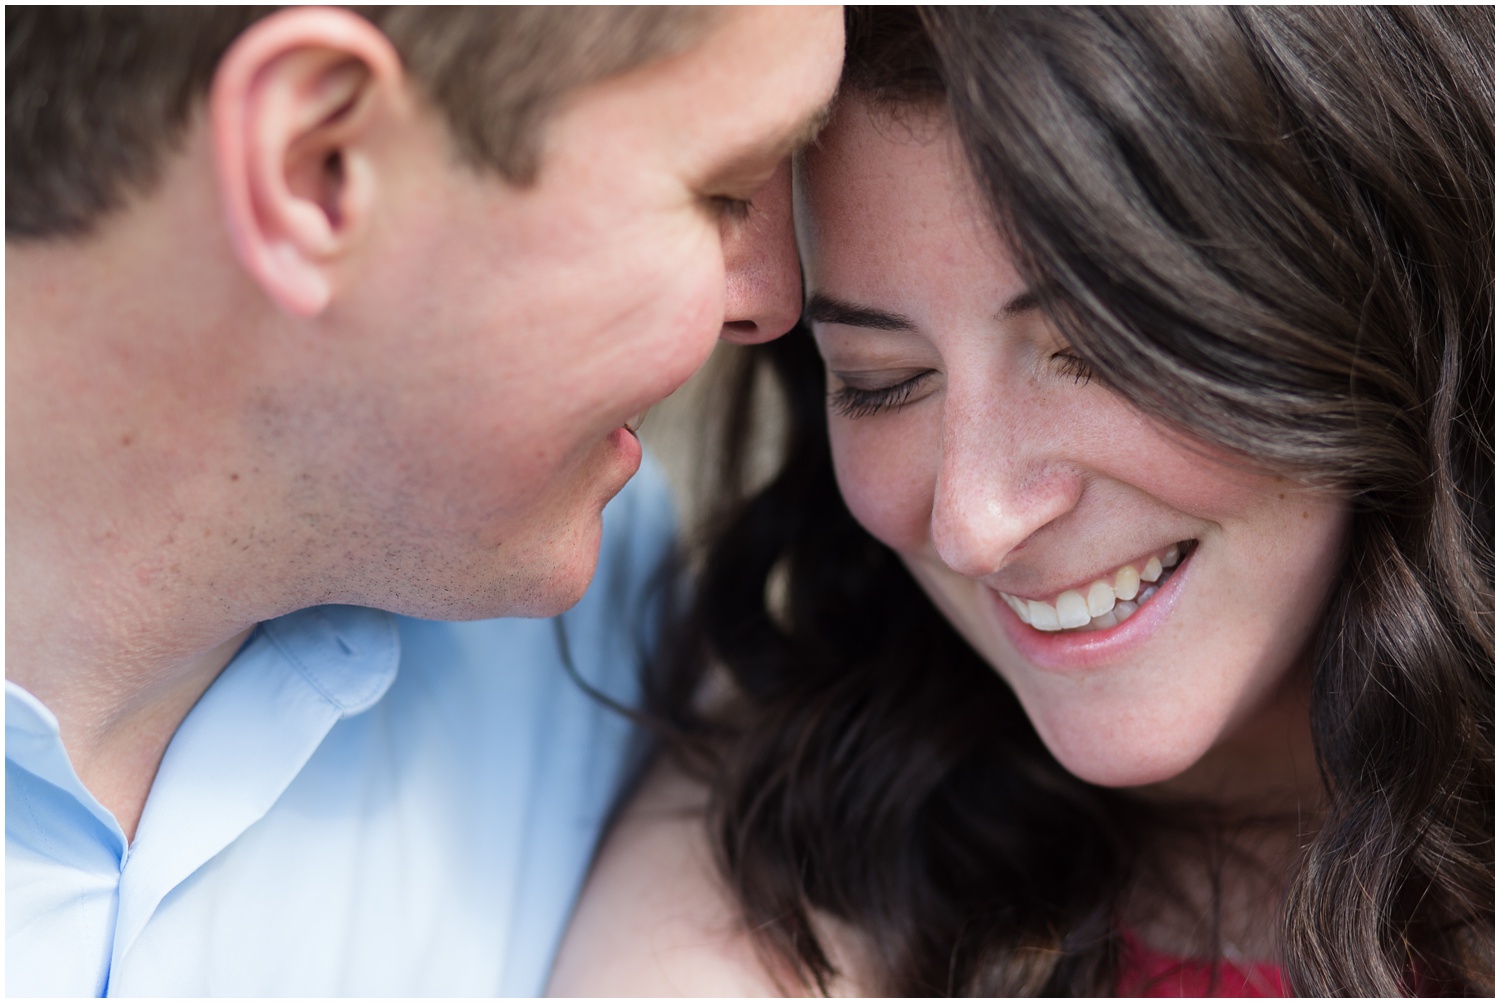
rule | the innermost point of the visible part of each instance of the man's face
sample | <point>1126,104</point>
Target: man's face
<point>472,431</point>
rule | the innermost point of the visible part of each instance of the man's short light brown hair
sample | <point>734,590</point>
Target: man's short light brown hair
<point>95,97</point>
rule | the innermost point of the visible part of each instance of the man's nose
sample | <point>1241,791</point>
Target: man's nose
<point>763,298</point>
<point>1000,480</point>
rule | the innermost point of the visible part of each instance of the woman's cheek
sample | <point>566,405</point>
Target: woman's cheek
<point>886,466</point>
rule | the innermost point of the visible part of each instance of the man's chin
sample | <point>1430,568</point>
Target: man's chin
<point>551,579</point>
<point>554,596</point>
<point>561,571</point>
<point>548,591</point>
<point>541,580</point>
<point>549,596</point>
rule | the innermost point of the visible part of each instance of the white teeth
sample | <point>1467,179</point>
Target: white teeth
<point>1101,605</point>
<point>1043,616</point>
<point>1072,609</point>
<point>1101,598</point>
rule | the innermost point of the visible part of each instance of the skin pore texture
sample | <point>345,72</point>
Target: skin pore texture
<point>389,379</point>
<point>967,439</point>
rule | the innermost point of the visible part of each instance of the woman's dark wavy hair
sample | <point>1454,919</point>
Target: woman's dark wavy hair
<point>1273,228</point>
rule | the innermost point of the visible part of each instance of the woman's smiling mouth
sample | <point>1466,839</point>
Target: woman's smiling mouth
<point>1107,601</point>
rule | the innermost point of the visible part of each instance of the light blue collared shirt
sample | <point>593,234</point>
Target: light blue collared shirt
<point>361,804</point>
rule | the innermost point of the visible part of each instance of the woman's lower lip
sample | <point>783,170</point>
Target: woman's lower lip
<point>1077,651</point>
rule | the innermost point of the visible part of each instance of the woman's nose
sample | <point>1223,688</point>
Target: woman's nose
<point>1000,479</point>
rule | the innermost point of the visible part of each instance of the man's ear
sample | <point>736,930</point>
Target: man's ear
<point>291,113</point>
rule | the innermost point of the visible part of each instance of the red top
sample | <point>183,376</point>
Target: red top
<point>1145,971</point>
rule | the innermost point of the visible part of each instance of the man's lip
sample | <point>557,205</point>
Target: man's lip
<point>629,445</point>
<point>634,422</point>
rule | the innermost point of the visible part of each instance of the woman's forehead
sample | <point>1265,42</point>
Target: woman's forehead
<point>880,198</point>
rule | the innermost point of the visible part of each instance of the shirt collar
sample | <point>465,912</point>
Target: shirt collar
<point>33,741</point>
<point>248,738</point>
<point>347,654</point>
<point>235,753</point>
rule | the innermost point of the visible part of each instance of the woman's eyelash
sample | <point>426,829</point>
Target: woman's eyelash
<point>1069,364</point>
<point>854,402</point>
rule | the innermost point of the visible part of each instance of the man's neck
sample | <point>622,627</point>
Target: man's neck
<point>110,619</point>
<point>130,580</point>
<point>116,741</point>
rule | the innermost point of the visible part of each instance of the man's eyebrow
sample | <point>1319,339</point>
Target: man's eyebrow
<point>807,130</point>
<point>827,310</point>
<point>773,150</point>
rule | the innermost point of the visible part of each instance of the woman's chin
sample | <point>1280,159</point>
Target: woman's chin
<point>1117,758</point>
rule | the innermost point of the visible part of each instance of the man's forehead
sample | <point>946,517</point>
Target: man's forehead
<point>775,144</point>
<point>781,75</point>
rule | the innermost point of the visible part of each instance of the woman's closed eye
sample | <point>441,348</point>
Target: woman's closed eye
<point>1069,364</point>
<point>858,399</point>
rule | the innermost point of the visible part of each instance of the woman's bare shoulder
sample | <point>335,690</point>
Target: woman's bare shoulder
<point>655,919</point>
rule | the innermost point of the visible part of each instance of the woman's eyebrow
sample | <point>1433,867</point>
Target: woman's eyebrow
<point>1018,304</point>
<point>828,310</point>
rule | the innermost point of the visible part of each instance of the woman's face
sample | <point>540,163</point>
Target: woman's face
<point>1033,505</point>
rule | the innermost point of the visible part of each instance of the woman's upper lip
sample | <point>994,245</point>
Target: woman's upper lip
<point>1049,592</point>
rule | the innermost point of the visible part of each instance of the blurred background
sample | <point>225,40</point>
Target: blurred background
<point>682,433</point>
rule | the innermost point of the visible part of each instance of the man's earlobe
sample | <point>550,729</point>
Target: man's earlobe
<point>292,110</point>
